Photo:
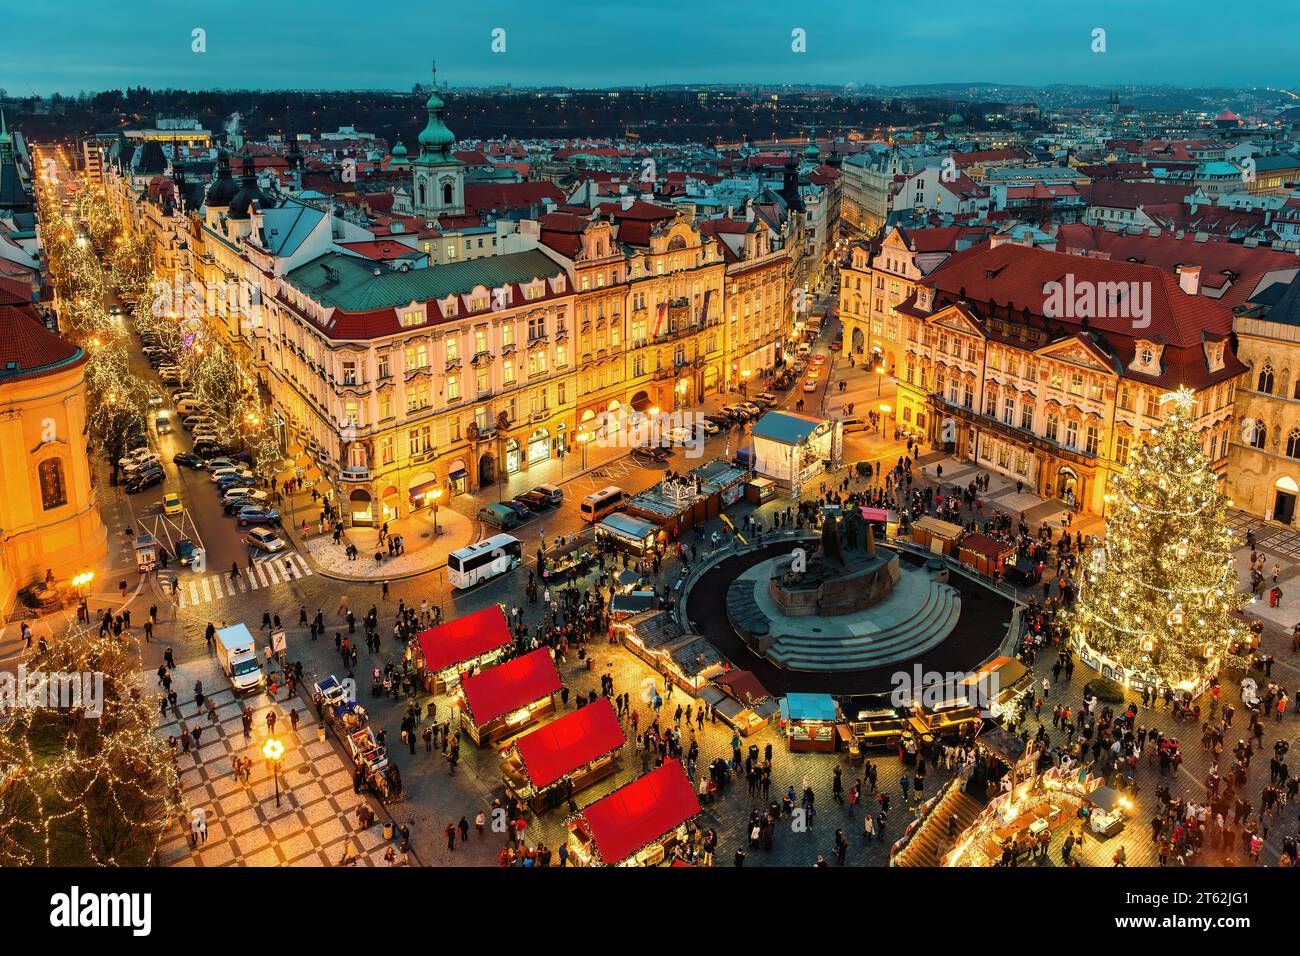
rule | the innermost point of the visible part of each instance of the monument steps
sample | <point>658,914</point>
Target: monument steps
<point>925,627</point>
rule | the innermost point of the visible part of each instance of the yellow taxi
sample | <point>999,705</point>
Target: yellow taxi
<point>172,504</point>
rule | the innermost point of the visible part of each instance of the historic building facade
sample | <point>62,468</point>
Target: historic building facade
<point>1059,401</point>
<point>48,505</point>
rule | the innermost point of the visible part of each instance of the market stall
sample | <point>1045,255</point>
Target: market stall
<point>720,483</point>
<point>984,553</point>
<point>623,532</point>
<point>630,603</point>
<point>809,722</point>
<point>795,450</point>
<point>507,699</point>
<point>760,490</point>
<point>744,704</point>
<point>1107,811</point>
<point>935,534</point>
<point>656,637</point>
<point>571,558</point>
<point>674,505</point>
<point>448,651</point>
<point>637,824</point>
<point>552,763</point>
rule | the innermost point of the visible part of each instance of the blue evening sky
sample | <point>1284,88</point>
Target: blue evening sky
<point>73,45</point>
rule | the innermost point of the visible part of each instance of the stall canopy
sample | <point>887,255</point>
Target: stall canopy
<point>500,690</point>
<point>787,428</point>
<point>464,639</point>
<point>988,547</point>
<point>875,514</point>
<point>938,527</point>
<point>641,812</point>
<point>808,707</point>
<point>570,743</point>
<point>634,530</point>
<point>743,685</point>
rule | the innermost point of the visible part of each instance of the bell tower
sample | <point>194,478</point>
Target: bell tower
<point>437,176</point>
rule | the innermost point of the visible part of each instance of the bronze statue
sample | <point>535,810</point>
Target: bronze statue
<point>831,548</point>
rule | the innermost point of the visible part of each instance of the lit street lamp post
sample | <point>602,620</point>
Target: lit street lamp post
<point>273,750</point>
<point>435,495</point>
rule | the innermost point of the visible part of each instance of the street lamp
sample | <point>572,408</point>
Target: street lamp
<point>82,583</point>
<point>583,438</point>
<point>435,495</point>
<point>880,377</point>
<point>884,410</point>
<point>273,750</point>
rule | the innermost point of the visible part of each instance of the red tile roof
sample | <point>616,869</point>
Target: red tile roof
<point>28,349</point>
<point>504,197</point>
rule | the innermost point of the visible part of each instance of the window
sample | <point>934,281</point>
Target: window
<point>386,404</point>
<point>417,356</point>
<point>1027,416</point>
<point>386,451</point>
<point>54,490</point>
<point>1090,440</point>
<point>537,362</point>
<point>1266,380</point>
<point>419,440</point>
<point>1053,427</point>
<point>1293,443</point>
<point>412,317</point>
<point>507,334</point>
<point>480,341</point>
<point>1071,434</point>
<point>417,395</point>
<point>481,382</point>
<point>453,348</point>
<point>385,370</point>
<point>1009,411</point>
<point>1258,434</point>
<point>1076,383</point>
<point>536,328</point>
<point>453,388</point>
<point>508,372</point>
<point>1122,450</point>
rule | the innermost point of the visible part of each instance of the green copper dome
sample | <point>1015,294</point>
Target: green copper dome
<point>435,138</point>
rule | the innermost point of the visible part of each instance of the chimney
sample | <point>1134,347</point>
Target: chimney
<point>625,201</point>
<point>1189,279</point>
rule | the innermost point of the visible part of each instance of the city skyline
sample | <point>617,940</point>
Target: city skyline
<point>961,46</point>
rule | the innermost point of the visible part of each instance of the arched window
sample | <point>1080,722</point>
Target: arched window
<point>1266,380</point>
<point>423,195</point>
<point>1293,443</point>
<point>446,194</point>
<point>1260,433</point>
<point>54,490</point>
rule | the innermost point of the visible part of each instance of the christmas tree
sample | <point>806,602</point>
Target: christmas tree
<point>1158,598</point>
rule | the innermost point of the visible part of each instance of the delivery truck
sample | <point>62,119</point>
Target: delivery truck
<point>237,652</point>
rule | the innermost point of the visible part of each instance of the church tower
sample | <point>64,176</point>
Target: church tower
<point>437,176</point>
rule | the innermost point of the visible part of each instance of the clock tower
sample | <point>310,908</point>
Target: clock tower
<point>437,176</point>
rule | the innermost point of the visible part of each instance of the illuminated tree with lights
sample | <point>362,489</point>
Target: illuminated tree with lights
<point>79,789</point>
<point>1159,596</point>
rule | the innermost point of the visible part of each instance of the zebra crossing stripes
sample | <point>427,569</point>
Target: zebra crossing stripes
<point>206,588</point>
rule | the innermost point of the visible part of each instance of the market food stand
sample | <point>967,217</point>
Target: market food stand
<point>507,699</point>
<point>637,824</point>
<point>740,700</point>
<point>656,637</point>
<point>623,532</point>
<point>984,553</point>
<point>935,534</point>
<point>551,763</point>
<point>445,652</point>
<point>810,722</point>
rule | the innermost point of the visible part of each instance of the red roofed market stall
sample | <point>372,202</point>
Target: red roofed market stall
<point>507,699</point>
<point>636,824</point>
<point>554,762</point>
<point>464,644</point>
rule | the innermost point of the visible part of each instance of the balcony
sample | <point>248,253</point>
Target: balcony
<point>354,474</point>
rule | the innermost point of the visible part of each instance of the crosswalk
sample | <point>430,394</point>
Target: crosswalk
<point>206,588</point>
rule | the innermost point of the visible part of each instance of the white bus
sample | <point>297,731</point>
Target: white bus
<point>600,503</point>
<point>485,559</point>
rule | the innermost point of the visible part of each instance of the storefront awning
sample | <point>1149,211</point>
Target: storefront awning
<point>641,403</point>
<point>641,812</point>
<point>422,489</point>
<point>500,690</point>
<point>464,639</point>
<point>458,474</point>
<point>570,743</point>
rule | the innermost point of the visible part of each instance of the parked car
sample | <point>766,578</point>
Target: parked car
<point>255,515</point>
<point>172,504</point>
<point>709,427</point>
<point>227,471</point>
<point>206,448</point>
<point>191,422</point>
<point>754,410</point>
<point>554,492</point>
<point>232,506</point>
<point>216,463</point>
<point>519,508</point>
<point>534,500</point>
<point>264,539</point>
<point>189,460</point>
<point>766,399</point>
<point>498,516</point>
<point>144,480</point>
<point>649,454</point>
<point>135,455</point>
<point>185,549</point>
<point>719,421</point>
<point>810,385</point>
<point>258,496</point>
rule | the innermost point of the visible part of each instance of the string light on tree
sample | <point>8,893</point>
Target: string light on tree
<point>1158,598</point>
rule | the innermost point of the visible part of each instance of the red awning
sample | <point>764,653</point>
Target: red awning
<point>499,690</point>
<point>641,812</point>
<point>986,546</point>
<point>875,514</point>
<point>570,743</point>
<point>464,639</point>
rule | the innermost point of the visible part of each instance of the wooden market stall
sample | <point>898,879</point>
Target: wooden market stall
<point>623,532</point>
<point>986,554</point>
<point>743,702</point>
<point>552,763</point>
<point>656,637</point>
<point>507,699</point>
<point>810,722</point>
<point>935,534</point>
<point>448,652</point>
<point>637,824</point>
